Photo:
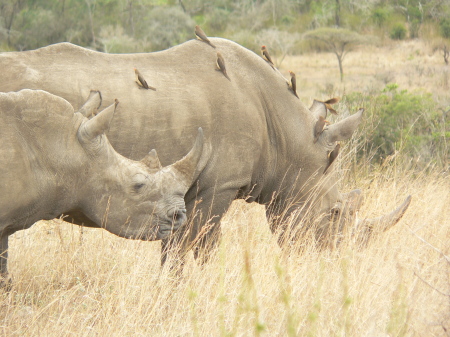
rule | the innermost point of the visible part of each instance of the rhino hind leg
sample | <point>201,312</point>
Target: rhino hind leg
<point>4,261</point>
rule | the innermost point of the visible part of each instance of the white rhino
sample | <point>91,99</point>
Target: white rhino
<point>262,136</point>
<point>55,162</point>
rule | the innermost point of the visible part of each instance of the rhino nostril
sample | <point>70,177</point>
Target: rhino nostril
<point>179,215</point>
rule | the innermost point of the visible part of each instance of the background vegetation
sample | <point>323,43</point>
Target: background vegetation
<point>85,282</point>
<point>149,25</point>
<point>417,121</point>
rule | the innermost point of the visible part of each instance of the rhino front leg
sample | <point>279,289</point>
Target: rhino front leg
<point>202,233</point>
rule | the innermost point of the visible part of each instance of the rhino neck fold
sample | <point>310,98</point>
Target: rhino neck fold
<point>284,156</point>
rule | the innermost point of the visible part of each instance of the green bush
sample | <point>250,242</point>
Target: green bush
<point>398,32</point>
<point>39,28</point>
<point>217,20</point>
<point>402,120</point>
<point>445,27</point>
<point>380,16</point>
<point>165,27</point>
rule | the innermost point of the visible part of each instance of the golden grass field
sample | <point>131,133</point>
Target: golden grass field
<point>413,65</point>
<point>73,282</point>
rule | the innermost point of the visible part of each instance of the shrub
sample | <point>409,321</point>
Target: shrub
<point>165,27</point>
<point>217,20</point>
<point>445,27</point>
<point>38,28</point>
<point>380,15</point>
<point>402,120</point>
<point>398,32</point>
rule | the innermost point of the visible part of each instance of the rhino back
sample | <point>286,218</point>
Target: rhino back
<point>244,119</point>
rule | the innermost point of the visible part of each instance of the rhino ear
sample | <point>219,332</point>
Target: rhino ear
<point>344,129</point>
<point>318,109</point>
<point>152,160</point>
<point>90,107</point>
<point>91,129</point>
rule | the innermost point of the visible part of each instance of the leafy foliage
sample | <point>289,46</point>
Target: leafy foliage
<point>400,120</point>
<point>398,32</point>
<point>165,27</point>
<point>158,24</point>
<point>444,25</point>
<point>380,15</point>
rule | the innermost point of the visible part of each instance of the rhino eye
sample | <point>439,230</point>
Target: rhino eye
<point>335,212</point>
<point>137,187</point>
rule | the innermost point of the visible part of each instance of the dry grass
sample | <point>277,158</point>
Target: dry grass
<point>411,64</point>
<point>68,282</point>
<point>91,283</point>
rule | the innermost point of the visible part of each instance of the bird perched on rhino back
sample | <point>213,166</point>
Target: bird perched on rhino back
<point>331,101</point>
<point>266,56</point>
<point>293,84</point>
<point>200,34</point>
<point>221,65</point>
<point>332,156</point>
<point>141,82</point>
<point>319,127</point>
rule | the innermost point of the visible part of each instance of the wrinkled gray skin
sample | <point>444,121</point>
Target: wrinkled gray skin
<point>261,134</point>
<point>55,161</point>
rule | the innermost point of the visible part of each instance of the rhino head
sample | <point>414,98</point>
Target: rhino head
<point>132,199</point>
<point>59,163</point>
<point>309,199</point>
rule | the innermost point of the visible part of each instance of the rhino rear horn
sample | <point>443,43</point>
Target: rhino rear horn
<point>344,129</point>
<point>98,125</point>
<point>318,109</point>
<point>187,168</point>
<point>90,107</point>
<point>152,160</point>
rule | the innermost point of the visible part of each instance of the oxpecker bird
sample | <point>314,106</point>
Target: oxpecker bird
<point>332,156</point>
<point>319,127</point>
<point>266,56</point>
<point>331,101</point>
<point>141,82</point>
<point>293,85</point>
<point>221,65</point>
<point>202,36</point>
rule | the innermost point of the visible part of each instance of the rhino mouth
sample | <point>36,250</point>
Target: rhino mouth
<point>164,233</point>
<point>166,230</point>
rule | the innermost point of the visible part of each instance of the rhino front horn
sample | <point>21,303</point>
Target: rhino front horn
<point>187,167</point>
<point>99,124</point>
<point>366,227</point>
